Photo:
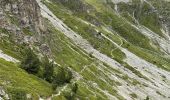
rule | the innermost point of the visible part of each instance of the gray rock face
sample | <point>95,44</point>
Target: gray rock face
<point>26,12</point>
<point>21,19</point>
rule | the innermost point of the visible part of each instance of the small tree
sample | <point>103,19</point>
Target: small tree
<point>31,62</point>
<point>62,76</point>
<point>48,70</point>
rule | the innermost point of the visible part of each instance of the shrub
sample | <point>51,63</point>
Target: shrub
<point>17,94</point>
<point>62,76</point>
<point>71,91</point>
<point>75,87</point>
<point>48,70</point>
<point>31,62</point>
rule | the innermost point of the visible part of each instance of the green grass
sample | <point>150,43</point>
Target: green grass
<point>135,38</point>
<point>75,59</point>
<point>137,43</point>
<point>86,31</point>
<point>59,98</point>
<point>19,81</point>
<point>9,46</point>
<point>120,25</point>
<point>67,54</point>
<point>12,49</point>
<point>153,57</point>
<point>150,19</point>
<point>143,13</point>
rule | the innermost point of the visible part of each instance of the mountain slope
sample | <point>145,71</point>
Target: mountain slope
<point>114,49</point>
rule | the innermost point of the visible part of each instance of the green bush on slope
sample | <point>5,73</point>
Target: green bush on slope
<point>31,63</point>
<point>48,70</point>
<point>71,91</point>
<point>18,83</point>
<point>17,94</point>
<point>61,76</point>
<point>55,74</point>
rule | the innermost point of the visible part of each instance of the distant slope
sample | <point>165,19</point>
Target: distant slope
<point>115,49</point>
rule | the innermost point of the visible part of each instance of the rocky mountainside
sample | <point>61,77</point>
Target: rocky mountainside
<point>84,49</point>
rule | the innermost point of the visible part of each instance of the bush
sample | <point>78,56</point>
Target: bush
<point>62,76</point>
<point>55,74</point>
<point>48,70</point>
<point>31,62</point>
<point>71,91</point>
<point>75,87</point>
<point>17,94</point>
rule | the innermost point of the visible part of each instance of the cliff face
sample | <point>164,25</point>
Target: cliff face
<point>22,24</point>
<point>19,17</point>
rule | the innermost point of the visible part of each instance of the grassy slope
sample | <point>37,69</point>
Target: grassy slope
<point>69,55</point>
<point>137,43</point>
<point>72,59</point>
<point>87,31</point>
<point>15,80</point>
<point>144,13</point>
<point>8,45</point>
<point>65,53</point>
